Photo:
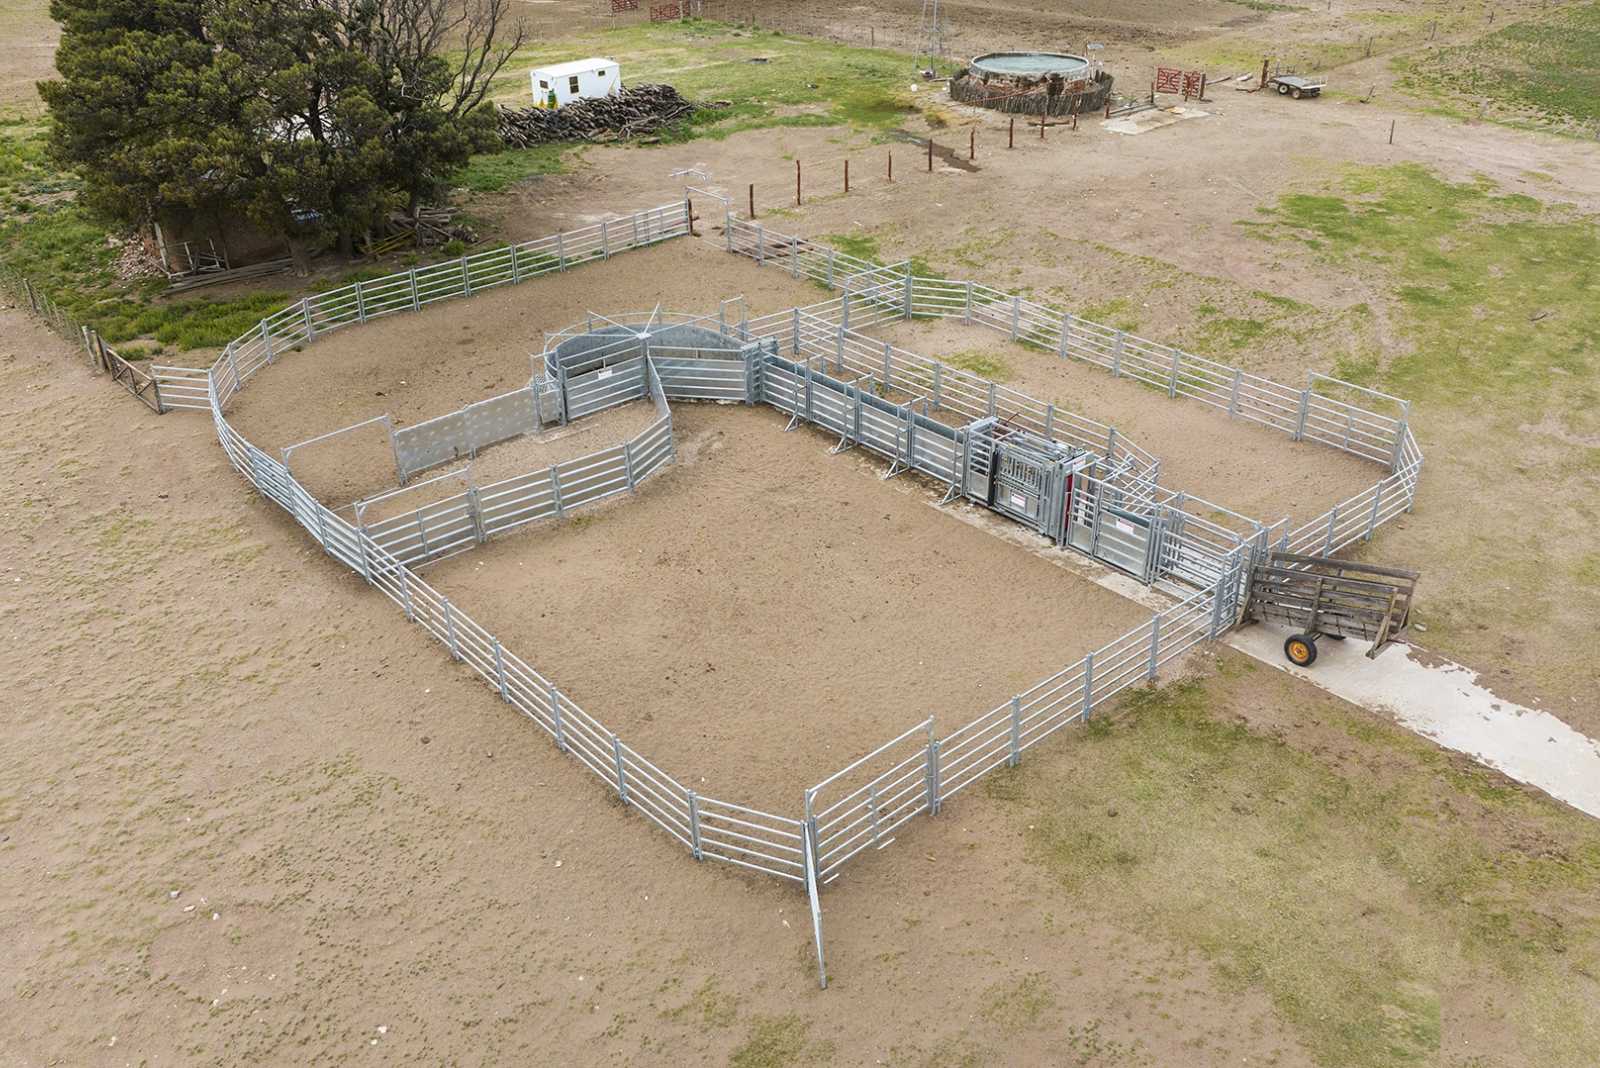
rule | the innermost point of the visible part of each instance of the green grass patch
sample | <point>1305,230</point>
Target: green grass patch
<point>982,364</point>
<point>861,246</point>
<point>771,80</point>
<point>780,1041</point>
<point>1546,69</point>
<point>495,171</point>
<point>1500,298</point>
<point>1116,313</point>
<point>28,180</point>
<point>1354,901</point>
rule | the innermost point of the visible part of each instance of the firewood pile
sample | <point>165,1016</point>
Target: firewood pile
<point>636,111</point>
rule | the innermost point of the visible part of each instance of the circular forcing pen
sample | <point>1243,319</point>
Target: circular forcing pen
<point>1031,64</point>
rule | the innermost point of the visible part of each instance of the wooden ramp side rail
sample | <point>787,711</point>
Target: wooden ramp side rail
<point>1330,596</point>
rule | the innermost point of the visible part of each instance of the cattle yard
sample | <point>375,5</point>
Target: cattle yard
<point>842,733</point>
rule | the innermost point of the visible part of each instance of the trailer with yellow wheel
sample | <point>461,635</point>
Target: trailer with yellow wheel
<point>1322,597</point>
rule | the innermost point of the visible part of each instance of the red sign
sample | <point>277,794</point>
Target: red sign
<point>1169,80</point>
<point>1194,82</point>
<point>619,6</point>
<point>665,12</point>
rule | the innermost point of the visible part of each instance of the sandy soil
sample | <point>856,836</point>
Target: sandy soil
<point>977,26</point>
<point>359,465</point>
<point>28,44</point>
<point>417,366</point>
<point>372,857</point>
<point>675,616</point>
<point>1241,466</point>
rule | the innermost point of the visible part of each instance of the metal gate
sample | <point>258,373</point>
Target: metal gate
<point>1022,475</point>
<point>1108,526</point>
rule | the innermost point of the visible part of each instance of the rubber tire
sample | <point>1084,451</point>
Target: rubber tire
<point>1295,93</point>
<point>1295,644</point>
<point>1283,90</point>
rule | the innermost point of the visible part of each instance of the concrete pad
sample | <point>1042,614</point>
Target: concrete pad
<point>1154,119</point>
<point>1447,703</point>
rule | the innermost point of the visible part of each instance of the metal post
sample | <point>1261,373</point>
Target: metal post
<point>622,776</point>
<point>1088,684</point>
<point>1116,355</point>
<point>605,241</point>
<point>466,278</point>
<point>1399,437</point>
<point>796,331</point>
<point>450,628</point>
<point>991,398</point>
<point>938,383</point>
<point>1155,643</point>
<point>361,547</point>
<point>888,366</point>
<point>1377,502</point>
<point>627,463</point>
<point>555,489</point>
<point>694,824</point>
<point>794,257</point>
<point>476,511</point>
<point>1016,316</point>
<point>500,669</point>
<point>305,313</point>
<point>561,251</point>
<point>1172,378</point>
<point>932,774</point>
<point>266,335</point>
<point>1233,395</point>
<point>967,315</point>
<point>831,255</point>
<point>1066,335</point>
<point>1050,420</point>
<point>761,244</point>
<point>1300,420</point>
<point>1111,441</point>
<point>405,594</point>
<point>416,301</point>
<point>1327,542</point>
<point>1016,732</point>
<point>555,710</point>
<point>907,313</point>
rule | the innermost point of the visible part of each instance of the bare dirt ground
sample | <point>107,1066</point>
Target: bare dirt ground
<point>1147,229</point>
<point>251,816</point>
<point>417,366</point>
<point>993,25</point>
<point>1243,467</point>
<point>197,701</point>
<point>360,465</point>
<point>675,616</point>
<point>28,42</point>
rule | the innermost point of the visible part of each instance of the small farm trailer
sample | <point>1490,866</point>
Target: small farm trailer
<point>1327,598</point>
<point>582,79</point>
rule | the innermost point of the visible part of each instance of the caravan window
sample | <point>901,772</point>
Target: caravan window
<point>543,84</point>
<point>572,84</point>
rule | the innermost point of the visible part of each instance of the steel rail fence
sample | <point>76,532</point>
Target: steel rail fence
<point>878,396</point>
<point>1304,414</point>
<point>709,827</point>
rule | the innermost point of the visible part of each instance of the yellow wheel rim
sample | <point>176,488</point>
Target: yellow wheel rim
<point>1299,650</point>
